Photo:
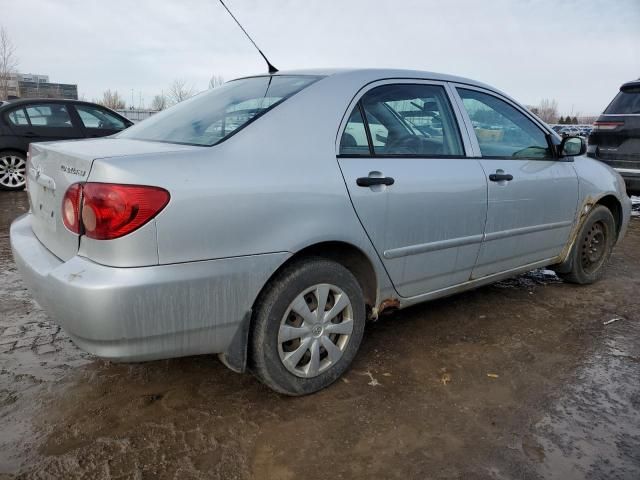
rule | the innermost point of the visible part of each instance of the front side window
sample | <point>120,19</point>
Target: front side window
<point>49,115</point>
<point>212,116</point>
<point>18,118</point>
<point>501,129</point>
<point>94,117</point>
<point>411,120</point>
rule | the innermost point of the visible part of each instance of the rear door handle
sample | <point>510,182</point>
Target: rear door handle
<point>30,135</point>
<point>370,181</point>
<point>499,177</point>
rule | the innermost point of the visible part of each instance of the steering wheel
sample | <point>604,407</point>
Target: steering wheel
<point>405,144</point>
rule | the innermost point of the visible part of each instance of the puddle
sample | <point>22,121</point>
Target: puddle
<point>593,429</point>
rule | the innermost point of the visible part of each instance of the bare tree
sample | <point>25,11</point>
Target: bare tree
<point>159,102</point>
<point>8,62</point>
<point>216,81</point>
<point>547,110</point>
<point>180,90</point>
<point>112,100</point>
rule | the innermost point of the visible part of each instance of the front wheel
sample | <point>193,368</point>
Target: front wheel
<point>592,248</point>
<point>13,170</point>
<point>307,327</point>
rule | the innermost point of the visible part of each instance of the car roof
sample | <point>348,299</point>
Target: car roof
<point>26,101</point>
<point>373,74</point>
<point>29,101</point>
<point>18,102</point>
<point>633,84</point>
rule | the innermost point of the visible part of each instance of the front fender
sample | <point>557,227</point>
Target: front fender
<point>597,184</point>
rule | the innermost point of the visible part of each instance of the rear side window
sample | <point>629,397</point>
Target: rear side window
<point>94,117</point>
<point>354,138</point>
<point>49,115</point>
<point>409,120</point>
<point>18,118</point>
<point>625,103</point>
<point>213,116</point>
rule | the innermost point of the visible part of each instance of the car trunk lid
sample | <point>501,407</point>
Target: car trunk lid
<point>54,166</point>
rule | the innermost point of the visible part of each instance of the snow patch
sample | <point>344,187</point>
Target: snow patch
<point>635,206</point>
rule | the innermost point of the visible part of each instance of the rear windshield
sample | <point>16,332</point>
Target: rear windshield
<point>625,103</point>
<point>212,116</point>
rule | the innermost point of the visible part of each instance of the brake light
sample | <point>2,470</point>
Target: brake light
<point>607,125</point>
<point>71,207</point>
<point>107,210</point>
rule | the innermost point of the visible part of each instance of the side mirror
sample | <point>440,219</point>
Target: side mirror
<point>572,147</point>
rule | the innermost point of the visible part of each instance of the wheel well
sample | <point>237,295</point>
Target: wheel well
<point>3,150</point>
<point>350,257</point>
<point>614,207</point>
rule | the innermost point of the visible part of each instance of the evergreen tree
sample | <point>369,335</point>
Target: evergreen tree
<point>561,121</point>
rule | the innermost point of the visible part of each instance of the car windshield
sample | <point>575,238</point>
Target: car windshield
<point>212,116</point>
<point>625,103</point>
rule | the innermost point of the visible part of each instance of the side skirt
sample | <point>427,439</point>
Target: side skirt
<point>478,282</point>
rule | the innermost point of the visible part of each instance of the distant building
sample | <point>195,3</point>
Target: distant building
<point>33,77</point>
<point>47,90</point>
<point>33,85</point>
<point>13,83</point>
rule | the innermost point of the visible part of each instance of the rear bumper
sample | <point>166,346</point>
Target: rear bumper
<point>146,313</point>
<point>627,165</point>
<point>631,179</point>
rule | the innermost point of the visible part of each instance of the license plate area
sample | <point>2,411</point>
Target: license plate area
<point>43,203</point>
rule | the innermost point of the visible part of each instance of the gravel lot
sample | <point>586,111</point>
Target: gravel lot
<point>522,379</point>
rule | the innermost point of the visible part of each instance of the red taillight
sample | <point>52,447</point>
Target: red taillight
<point>607,125</point>
<point>109,211</point>
<point>71,207</point>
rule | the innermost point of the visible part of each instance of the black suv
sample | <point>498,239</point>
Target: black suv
<point>43,120</point>
<point>615,139</point>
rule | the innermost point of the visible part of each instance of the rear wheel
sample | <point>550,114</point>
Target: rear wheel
<point>307,327</point>
<point>13,170</point>
<point>592,248</point>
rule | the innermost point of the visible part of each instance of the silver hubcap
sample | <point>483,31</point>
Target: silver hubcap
<point>12,171</point>
<point>315,330</point>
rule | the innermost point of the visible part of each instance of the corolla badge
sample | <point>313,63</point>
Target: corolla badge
<point>73,170</point>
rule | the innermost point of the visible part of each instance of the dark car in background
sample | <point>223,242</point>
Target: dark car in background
<point>41,120</point>
<point>615,139</point>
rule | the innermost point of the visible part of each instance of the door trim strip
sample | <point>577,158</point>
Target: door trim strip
<point>431,246</point>
<point>513,232</point>
<point>470,240</point>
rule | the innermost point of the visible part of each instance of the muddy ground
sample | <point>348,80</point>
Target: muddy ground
<point>522,380</point>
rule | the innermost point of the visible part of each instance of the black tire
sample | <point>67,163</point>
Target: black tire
<point>269,311</point>
<point>10,180</point>
<point>588,267</point>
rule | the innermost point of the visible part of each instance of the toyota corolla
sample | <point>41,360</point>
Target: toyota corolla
<point>268,219</point>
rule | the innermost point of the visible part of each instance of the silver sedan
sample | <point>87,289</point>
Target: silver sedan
<point>268,219</point>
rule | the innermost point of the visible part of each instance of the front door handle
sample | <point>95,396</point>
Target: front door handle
<point>30,135</point>
<point>500,176</point>
<point>370,181</point>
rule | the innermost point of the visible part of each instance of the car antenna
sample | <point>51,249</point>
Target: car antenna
<point>272,69</point>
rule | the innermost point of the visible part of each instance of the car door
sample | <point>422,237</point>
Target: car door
<point>14,120</point>
<point>533,195</point>
<point>98,121</point>
<point>420,198</point>
<point>46,122</point>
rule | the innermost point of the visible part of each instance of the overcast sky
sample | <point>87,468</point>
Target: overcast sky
<point>578,52</point>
